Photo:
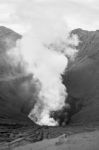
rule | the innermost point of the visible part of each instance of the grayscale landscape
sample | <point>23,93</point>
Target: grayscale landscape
<point>49,75</point>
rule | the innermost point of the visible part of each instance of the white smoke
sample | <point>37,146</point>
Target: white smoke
<point>44,51</point>
<point>47,65</point>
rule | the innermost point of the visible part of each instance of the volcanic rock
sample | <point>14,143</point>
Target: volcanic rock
<point>16,100</point>
<point>82,79</point>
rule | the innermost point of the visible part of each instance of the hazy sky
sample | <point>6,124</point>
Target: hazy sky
<point>75,13</point>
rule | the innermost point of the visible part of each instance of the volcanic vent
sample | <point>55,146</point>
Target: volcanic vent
<point>33,79</point>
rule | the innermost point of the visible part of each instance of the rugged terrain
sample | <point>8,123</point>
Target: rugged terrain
<point>80,141</point>
<point>81,80</point>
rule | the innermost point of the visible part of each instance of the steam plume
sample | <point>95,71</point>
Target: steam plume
<point>47,65</point>
<point>44,51</point>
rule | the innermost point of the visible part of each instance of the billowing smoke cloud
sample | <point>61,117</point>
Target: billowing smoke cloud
<point>44,54</point>
<point>47,66</point>
<point>44,51</point>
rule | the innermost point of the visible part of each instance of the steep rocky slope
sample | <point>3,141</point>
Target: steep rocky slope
<point>82,79</point>
<point>13,97</point>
